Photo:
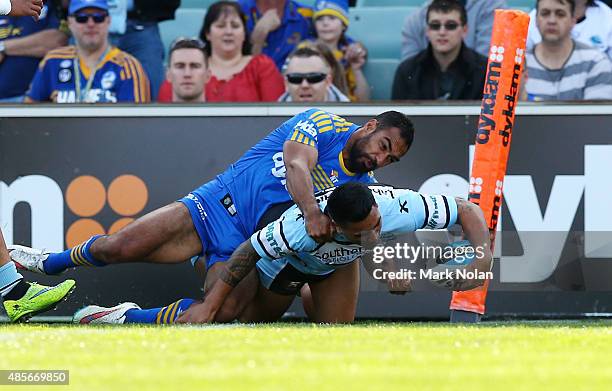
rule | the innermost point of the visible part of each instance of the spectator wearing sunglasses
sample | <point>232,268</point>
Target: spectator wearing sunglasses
<point>308,78</point>
<point>187,70</point>
<point>479,12</point>
<point>447,69</point>
<point>92,71</point>
<point>23,43</point>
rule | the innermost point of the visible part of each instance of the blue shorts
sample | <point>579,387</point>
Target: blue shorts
<point>215,219</point>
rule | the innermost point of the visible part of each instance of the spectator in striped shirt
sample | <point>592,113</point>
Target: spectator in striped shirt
<point>559,68</point>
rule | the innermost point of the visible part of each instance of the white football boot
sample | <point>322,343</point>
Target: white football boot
<point>26,258</point>
<point>94,314</point>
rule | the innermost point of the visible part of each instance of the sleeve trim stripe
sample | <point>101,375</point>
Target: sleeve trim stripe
<point>135,81</point>
<point>426,212</point>
<point>312,143</point>
<point>262,245</point>
<point>282,234</point>
<point>324,122</point>
<point>144,82</point>
<point>300,138</point>
<point>324,175</point>
<point>319,115</point>
<point>294,135</point>
<point>141,84</point>
<point>316,114</point>
<point>316,180</point>
<point>446,207</point>
<point>326,128</point>
<point>126,68</point>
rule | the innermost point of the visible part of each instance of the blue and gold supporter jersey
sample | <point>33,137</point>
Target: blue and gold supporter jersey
<point>119,77</point>
<point>17,71</point>
<point>257,181</point>
<point>296,26</point>
<point>401,210</point>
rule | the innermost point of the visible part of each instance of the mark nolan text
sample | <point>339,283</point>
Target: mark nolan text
<point>430,274</point>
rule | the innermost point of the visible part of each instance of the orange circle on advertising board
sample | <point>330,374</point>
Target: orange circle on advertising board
<point>81,230</point>
<point>127,195</point>
<point>85,196</point>
<point>117,225</point>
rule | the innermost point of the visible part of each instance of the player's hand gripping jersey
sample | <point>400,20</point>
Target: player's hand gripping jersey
<point>286,240</point>
<point>226,211</point>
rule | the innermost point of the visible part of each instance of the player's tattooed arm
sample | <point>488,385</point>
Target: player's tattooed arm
<point>471,219</point>
<point>242,261</point>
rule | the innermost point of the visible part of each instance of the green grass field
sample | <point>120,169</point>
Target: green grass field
<point>568,355</point>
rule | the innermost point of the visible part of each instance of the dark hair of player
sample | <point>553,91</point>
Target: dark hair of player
<point>446,6</point>
<point>222,9</point>
<point>395,119</point>
<point>350,203</point>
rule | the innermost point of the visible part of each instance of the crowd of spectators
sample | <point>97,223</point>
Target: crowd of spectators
<point>111,51</point>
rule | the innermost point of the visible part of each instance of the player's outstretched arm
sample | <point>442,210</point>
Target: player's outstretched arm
<point>21,7</point>
<point>300,160</point>
<point>475,229</point>
<point>242,261</point>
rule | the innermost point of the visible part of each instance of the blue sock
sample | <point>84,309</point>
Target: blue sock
<point>163,315</point>
<point>76,256</point>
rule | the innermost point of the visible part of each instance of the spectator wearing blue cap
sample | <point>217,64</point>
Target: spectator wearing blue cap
<point>92,71</point>
<point>23,43</point>
<point>331,22</point>
<point>276,27</point>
